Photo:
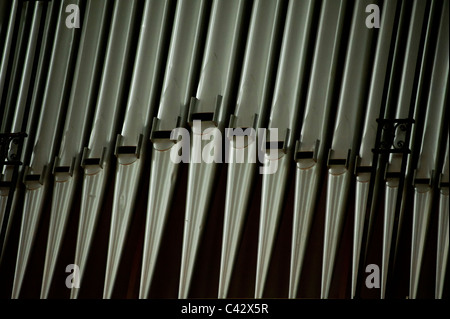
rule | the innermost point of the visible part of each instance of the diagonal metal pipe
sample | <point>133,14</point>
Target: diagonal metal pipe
<point>179,85</point>
<point>76,129</point>
<point>131,144</point>
<point>284,121</point>
<point>346,139</point>
<point>310,148</point>
<point>210,108</point>
<point>398,166</point>
<point>365,164</point>
<point>253,103</point>
<point>16,69</point>
<point>96,158</point>
<point>36,177</point>
<point>428,156</point>
<point>7,47</point>
<point>443,227</point>
<point>21,111</point>
<point>31,116</point>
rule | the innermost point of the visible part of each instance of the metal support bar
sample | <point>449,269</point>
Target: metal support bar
<point>12,159</point>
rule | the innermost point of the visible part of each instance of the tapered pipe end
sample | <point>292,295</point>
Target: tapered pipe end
<point>273,191</point>
<point>61,204</point>
<point>338,184</point>
<point>390,201</point>
<point>124,199</point>
<point>421,217</point>
<point>30,221</point>
<point>162,185</point>
<point>94,183</point>
<point>74,293</point>
<point>443,243</point>
<point>240,176</point>
<point>362,193</point>
<point>3,202</point>
<point>305,197</point>
<point>201,180</point>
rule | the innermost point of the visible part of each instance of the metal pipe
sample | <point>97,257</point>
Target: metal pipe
<point>7,47</point>
<point>76,129</point>
<point>365,164</point>
<point>284,119</point>
<point>396,171</point>
<point>253,103</point>
<point>39,78</point>
<point>443,226</point>
<point>97,156</point>
<point>211,108</point>
<point>310,148</point>
<point>136,128</point>
<point>18,61</point>
<point>179,85</point>
<point>427,162</point>
<point>346,138</point>
<point>36,177</point>
<point>20,111</point>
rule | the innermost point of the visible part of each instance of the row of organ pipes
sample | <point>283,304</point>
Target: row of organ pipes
<point>362,110</point>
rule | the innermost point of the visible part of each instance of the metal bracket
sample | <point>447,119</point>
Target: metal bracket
<point>422,181</point>
<point>233,119</point>
<point>232,125</point>
<point>11,146</point>
<point>34,177</point>
<point>158,135</point>
<point>361,169</point>
<point>278,145</point>
<point>299,155</point>
<point>63,169</point>
<point>127,149</point>
<point>86,161</point>
<point>441,183</point>
<point>393,135</point>
<point>339,161</point>
<point>213,117</point>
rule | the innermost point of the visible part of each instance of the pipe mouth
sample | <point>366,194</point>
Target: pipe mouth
<point>62,178</point>
<point>163,146</point>
<point>337,171</point>
<point>422,189</point>
<point>127,159</point>
<point>33,186</point>
<point>92,170</point>
<point>363,178</point>
<point>306,164</point>
<point>205,128</point>
<point>392,183</point>
<point>274,154</point>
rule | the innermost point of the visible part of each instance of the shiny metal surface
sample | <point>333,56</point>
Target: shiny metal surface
<point>351,165</point>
